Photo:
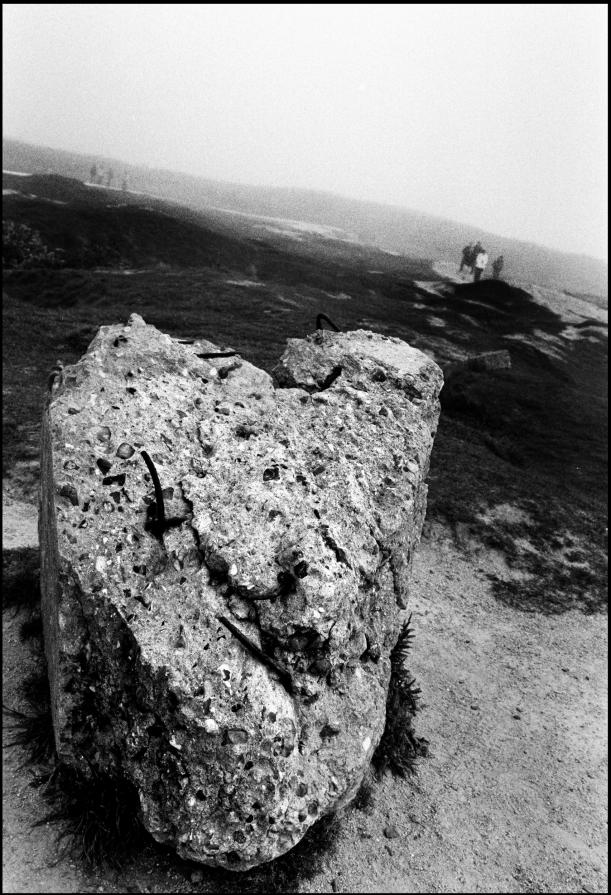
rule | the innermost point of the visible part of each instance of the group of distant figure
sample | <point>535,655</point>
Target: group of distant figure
<point>104,177</point>
<point>475,259</point>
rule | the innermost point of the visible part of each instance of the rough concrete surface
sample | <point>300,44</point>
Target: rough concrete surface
<point>232,663</point>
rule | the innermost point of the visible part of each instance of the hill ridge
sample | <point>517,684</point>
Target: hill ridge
<point>389,227</point>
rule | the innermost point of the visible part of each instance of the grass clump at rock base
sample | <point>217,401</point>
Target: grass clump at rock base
<point>20,578</point>
<point>33,731</point>
<point>399,747</point>
<point>99,816</point>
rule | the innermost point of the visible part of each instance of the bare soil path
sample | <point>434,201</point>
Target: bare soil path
<point>512,797</point>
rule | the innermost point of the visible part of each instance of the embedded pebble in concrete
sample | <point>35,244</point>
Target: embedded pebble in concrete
<point>229,657</point>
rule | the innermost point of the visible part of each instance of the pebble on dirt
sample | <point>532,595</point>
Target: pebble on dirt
<point>391,832</point>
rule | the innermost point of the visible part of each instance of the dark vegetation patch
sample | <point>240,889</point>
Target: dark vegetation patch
<point>467,478</point>
<point>21,579</point>
<point>119,236</point>
<point>31,628</point>
<point>34,688</point>
<point>535,437</point>
<point>399,747</point>
<point>32,729</point>
<point>98,816</point>
<point>364,800</point>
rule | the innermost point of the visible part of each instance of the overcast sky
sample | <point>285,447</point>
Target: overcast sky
<point>490,114</point>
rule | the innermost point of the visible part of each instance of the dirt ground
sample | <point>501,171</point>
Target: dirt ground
<point>512,797</point>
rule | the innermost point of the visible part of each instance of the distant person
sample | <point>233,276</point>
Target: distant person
<point>93,173</point>
<point>497,267</point>
<point>124,183</point>
<point>479,266</point>
<point>467,258</point>
<point>109,177</point>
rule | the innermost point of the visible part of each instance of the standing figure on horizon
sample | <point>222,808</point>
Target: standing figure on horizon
<point>467,258</point>
<point>497,267</point>
<point>93,173</point>
<point>481,260</point>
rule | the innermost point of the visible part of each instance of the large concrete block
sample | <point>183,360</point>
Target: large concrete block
<point>233,663</point>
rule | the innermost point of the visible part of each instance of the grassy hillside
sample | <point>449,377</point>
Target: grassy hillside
<point>532,437</point>
<point>97,227</point>
<point>94,228</point>
<point>395,229</point>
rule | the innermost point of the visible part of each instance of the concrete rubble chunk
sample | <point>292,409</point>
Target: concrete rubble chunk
<point>233,663</point>
<point>490,360</point>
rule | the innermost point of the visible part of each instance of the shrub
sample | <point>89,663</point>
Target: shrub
<point>22,247</point>
<point>399,747</point>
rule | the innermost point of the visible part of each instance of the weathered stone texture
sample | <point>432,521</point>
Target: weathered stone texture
<point>295,513</point>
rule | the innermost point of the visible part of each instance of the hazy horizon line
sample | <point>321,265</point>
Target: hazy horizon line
<point>322,192</point>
